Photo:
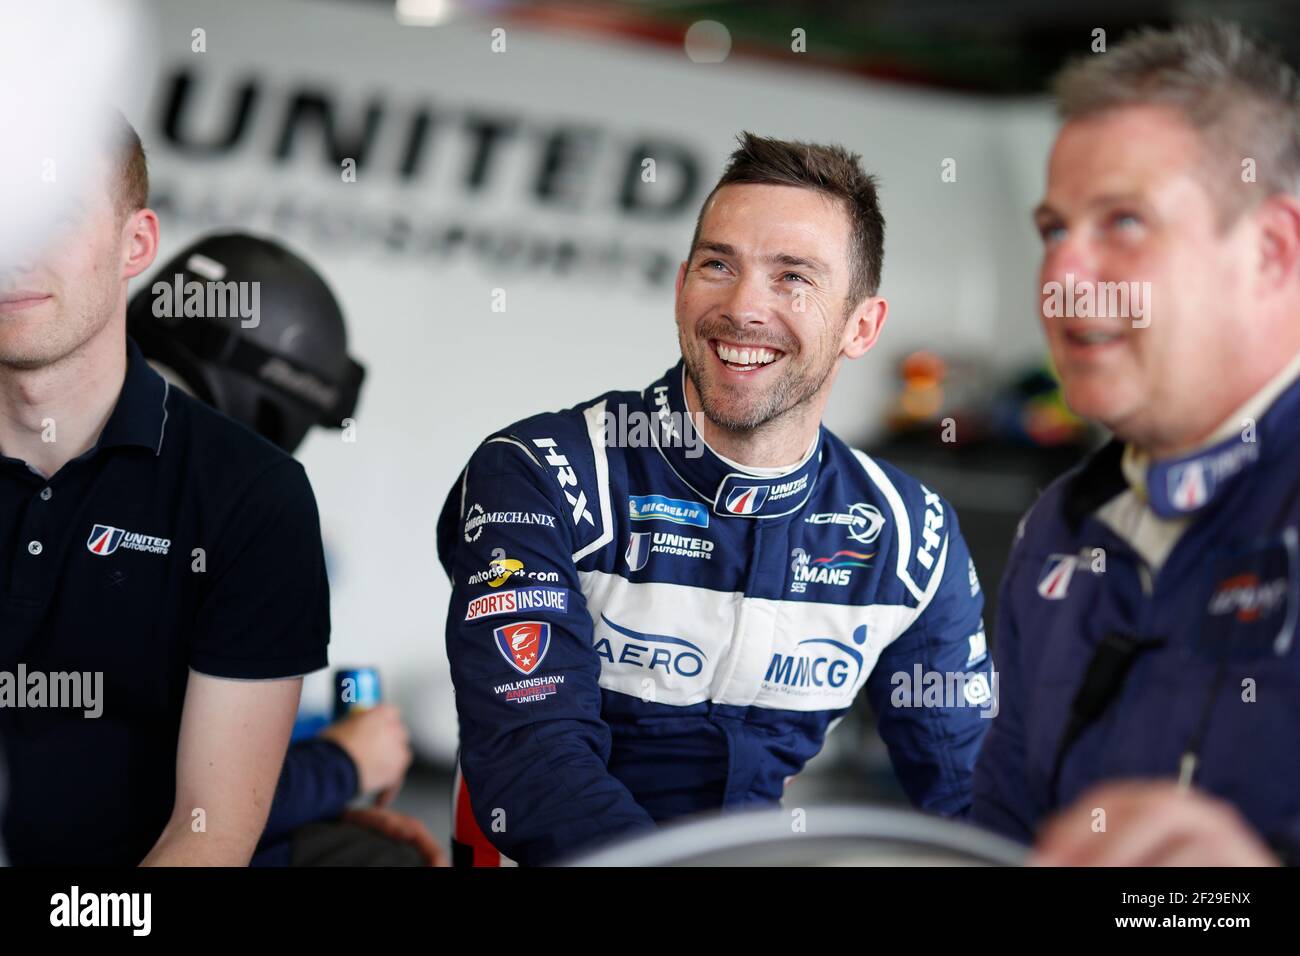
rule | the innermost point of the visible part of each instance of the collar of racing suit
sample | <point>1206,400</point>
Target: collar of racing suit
<point>1183,486</point>
<point>1180,486</point>
<point>733,490</point>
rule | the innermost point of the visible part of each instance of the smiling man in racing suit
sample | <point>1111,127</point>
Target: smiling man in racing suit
<point>663,600</point>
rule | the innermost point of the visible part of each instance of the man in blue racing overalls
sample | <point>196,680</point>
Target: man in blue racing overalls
<point>1149,679</point>
<point>662,600</point>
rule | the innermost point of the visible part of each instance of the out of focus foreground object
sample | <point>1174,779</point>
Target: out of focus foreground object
<point>825,836</point>
<point>56,62</point>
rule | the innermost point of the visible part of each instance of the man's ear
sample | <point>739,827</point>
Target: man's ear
<point>681,277</point>
<point>141,234</point>
<point>863,327</point>
<point>1279,224</point>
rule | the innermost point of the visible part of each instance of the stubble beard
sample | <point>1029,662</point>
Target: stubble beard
<point>791,390</point>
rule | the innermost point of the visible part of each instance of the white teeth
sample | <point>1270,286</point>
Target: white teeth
<point>1095,338</point>
<point>745,357</point>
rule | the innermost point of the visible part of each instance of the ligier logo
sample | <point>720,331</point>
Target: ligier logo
<point>863,521</point>
<point>1247,599</point>
<point>105,539</point>
<point>524,644</point>
<point>746,499</point>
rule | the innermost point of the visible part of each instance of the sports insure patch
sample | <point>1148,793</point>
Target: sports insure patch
<point>1250,608</point>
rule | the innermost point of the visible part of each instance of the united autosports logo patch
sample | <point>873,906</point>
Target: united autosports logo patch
<point>1189,486</point>
<point>1054,582</point>
<point>638,550</point>
<point>524,644</point>
<point>105,539</point>
<point>746,499</point>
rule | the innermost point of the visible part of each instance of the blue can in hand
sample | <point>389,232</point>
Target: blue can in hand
<point>355,688</point>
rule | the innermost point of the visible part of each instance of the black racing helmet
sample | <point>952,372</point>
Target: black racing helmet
<point>273,356</point>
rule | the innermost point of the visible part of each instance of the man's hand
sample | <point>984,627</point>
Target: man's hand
<point>378,743</point>
<point>1149,823</point>
<point>402,828</point>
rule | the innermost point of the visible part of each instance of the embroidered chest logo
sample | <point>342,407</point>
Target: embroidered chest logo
<point>105,539</point>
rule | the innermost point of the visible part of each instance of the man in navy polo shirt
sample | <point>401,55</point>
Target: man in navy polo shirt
<point>162,582</point>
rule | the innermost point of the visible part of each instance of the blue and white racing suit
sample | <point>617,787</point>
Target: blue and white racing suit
<point>640,630</point>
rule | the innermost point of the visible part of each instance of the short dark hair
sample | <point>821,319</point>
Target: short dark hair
<point>1239,94</point>
<point>132,168</point>
<point>831,170</point>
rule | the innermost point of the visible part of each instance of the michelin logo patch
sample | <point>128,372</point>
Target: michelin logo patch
<point>676,510</point>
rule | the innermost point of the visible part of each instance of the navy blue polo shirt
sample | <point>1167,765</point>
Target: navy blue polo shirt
<point>181,541</point>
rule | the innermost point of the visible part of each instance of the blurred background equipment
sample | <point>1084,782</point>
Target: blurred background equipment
<point>271,354</point>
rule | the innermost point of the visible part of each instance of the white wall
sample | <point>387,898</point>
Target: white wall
<point>443,368</point>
